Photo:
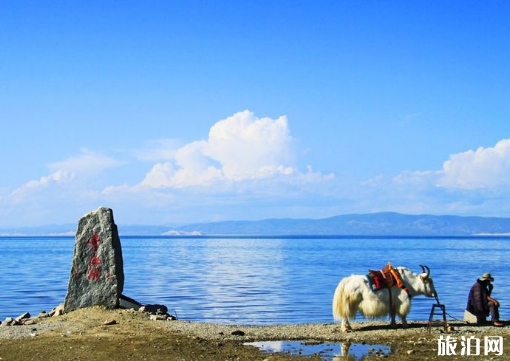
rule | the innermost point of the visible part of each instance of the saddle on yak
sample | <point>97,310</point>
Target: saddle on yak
<point>385,278</point>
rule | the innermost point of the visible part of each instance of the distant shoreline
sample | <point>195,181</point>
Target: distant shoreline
<point>371,225</point>
<point>279,236</point>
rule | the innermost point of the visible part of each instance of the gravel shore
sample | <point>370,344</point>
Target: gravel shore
<point>135,337</point>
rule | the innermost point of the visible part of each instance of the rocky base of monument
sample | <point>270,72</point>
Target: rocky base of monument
<point>27,319</point>
<point>153,312</point>
<point>157,313</point>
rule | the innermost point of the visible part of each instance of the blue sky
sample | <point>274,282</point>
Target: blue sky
<point>182,111</point>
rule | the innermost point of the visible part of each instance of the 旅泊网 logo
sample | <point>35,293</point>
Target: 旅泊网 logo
<point>470,346</point>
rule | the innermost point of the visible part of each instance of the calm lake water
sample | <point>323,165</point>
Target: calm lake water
<point>253,280</point>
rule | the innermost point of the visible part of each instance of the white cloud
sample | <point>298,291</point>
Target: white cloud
<point>475,182</point>
<point>58,177</point>
<point>70,179</point>
<point>417,178</point>
<point>158,150</point>
<point>249,147</point>
<point>484,168</point>
<point>245,163</point>
<point>239,148</point>
<point>87,162</point>
<point>66,172</point>
<point>159,176</point>
<point>192,168</point>
<point>246,167</point>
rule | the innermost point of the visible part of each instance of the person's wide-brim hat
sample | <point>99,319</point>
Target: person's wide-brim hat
<point>486,276</point>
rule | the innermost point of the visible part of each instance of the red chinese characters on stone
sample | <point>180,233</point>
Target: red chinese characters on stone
<point>94,242</point>
<point>94,260</point>
<point>93,274</point>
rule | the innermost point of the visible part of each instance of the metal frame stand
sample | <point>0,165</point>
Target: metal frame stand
<point>433,312</point>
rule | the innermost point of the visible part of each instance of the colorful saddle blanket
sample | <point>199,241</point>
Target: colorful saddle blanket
<point>385,278</point>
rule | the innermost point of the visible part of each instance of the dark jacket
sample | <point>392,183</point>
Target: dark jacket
<point>477,301</point>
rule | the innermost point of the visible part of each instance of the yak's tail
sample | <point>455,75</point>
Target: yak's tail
<point>343,307</point>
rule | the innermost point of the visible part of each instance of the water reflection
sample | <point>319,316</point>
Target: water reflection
<point>236,276</point>
<point>327,351</point>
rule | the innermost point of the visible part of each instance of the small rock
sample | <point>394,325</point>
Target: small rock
<point>154,309</point>
<point>43,314</point>
<point>129,303</point>
<point>109,322</point>
<point>23,317</point>
<point>410,352</point>
<point>157,318</point>
<point>59,310</point>
<point>30,322</point>
<point>238,333</point>
<point>8,321</point>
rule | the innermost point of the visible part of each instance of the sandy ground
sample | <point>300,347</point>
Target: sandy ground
<point>82,335</point>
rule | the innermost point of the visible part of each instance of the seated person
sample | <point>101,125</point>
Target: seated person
<point>480,302</point>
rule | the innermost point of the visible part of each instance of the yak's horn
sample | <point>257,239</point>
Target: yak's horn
<point>426,270</point>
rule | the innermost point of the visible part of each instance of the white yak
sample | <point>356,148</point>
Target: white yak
<point>354,293</point>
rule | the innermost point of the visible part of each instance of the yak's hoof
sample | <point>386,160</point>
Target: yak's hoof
<point>346,328</point>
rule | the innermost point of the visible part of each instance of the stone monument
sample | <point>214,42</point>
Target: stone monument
<point>97,275</point>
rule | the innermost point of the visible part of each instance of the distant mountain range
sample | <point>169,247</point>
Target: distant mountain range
<point>70,229</point>
<point>373,224</point>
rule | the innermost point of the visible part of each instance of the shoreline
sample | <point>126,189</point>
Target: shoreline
<point>135,337</point>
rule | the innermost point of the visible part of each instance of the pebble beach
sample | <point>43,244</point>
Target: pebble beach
<point>132,335</point>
